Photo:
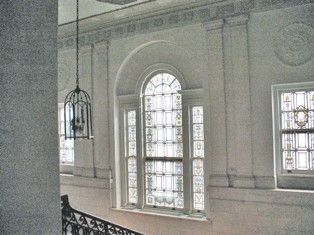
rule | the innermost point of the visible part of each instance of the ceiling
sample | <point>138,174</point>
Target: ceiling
<point>89,8</point>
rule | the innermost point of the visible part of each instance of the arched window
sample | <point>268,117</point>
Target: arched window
<point>163,150</point>
<point>164,147</point>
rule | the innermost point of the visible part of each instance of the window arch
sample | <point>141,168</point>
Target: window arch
<point>164,145</point>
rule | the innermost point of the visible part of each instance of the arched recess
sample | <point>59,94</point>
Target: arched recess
<point>139,66</point>
<point>168,55</point>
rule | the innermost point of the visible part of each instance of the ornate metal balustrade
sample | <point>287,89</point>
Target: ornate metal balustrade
<point>77,222</point>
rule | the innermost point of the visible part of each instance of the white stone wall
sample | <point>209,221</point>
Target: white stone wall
<point>235,60</point>
<point>29,169</point>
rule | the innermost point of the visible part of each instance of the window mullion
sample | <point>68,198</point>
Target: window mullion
<point>141,150</point>
<point>124,159</point>
<point>187,166</point>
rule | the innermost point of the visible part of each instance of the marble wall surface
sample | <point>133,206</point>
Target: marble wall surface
<point>29,178</point>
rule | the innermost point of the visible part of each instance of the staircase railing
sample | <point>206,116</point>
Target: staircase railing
<point>77,222</point>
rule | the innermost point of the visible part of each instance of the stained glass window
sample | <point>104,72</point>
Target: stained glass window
<point>66,147</point>
<point>131,157</point>
<point>163,142</point>
<point>198,157</point>
<point>297,130</point>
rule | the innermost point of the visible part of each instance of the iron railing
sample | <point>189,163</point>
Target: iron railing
<point>79,223</point>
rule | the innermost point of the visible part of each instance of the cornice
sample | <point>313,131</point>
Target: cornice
<point>215,11</point>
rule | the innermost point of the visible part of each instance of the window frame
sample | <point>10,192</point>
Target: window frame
<point>190,98</point>
<point>143,140</point>
<point>65,168</point>
<point>294,179</point>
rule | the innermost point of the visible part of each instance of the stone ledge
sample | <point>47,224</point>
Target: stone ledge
<point>276,196</point>
<point>177,215</point>
<point>295,181</point>
<point>85,181</point>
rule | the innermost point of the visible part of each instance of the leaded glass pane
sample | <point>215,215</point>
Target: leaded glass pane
<point>163,129</point>
<point>198,155</point>
<point>131,156</point>
<point>198,201</point>
<point>297,128</point>
<point>164,183</point>
<point>163,117</point>
<point>66,146</point>
<point>131,133</point>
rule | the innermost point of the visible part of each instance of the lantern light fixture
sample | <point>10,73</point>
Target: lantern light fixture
<point>77,104</point>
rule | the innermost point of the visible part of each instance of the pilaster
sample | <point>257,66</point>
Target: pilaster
<point>83,148</point>
<point>238,102</point>
<point>215,116</point>
<point>101,107</point>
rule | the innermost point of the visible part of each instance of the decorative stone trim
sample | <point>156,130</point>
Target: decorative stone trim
<point>293,44</point>
<point>218,181</point>
<point>277,196</point>
<point>128,99</point>
<point>83,171</point>
<point>85,182</point>
<point>243,181</point>
<point>103,173</point>
<point>265,182</point>
<point>237,20</point>
<point>192,95</point>
<point>177,18</point>
<point>214,25</point>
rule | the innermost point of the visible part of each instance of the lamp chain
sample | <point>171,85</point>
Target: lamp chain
<point>77,42</point>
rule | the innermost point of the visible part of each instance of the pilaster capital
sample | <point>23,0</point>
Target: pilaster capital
<point>214,25</point>
<point>85,49</point>
<point>237,20</point>
<point>101,44</point>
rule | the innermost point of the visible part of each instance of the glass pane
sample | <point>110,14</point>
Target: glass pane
<point>198,201</point>
<point>198,184</point>
<point>132,179</point>
<point>163,117</point>
<point>132,195</point>
<point>131,156</point>
<point>131,122</point>
<point>297,123</point>
<point>198,155</point>
<point>297,110</point>
<point>66,147</point>
<point>164,183</point>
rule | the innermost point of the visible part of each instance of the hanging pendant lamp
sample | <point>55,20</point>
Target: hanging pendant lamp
<point>77,104</point>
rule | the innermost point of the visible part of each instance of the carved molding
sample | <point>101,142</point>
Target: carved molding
<point>293,45</point>
<point>237,20</point>
<point>176,18</point>
<point>82,181</point>
<point>214,25</point>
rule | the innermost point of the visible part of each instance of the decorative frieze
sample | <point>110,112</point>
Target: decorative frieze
<point>178,18</point>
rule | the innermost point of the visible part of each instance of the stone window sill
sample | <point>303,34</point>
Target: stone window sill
<point>66,169</point>
<point>163,213</point>
<point>295,181</point>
